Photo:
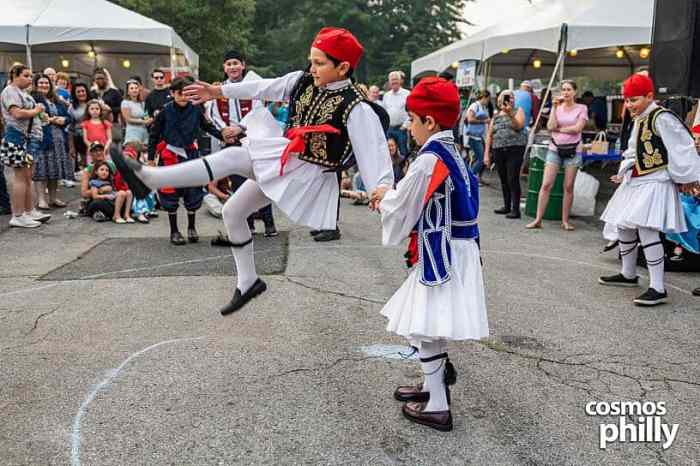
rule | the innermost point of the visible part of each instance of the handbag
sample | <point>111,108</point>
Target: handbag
<point>566,151</point>
<point>600,144</point>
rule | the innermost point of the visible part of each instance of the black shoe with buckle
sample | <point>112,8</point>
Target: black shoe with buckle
<point>241,299</point>
<point>270,231</point>
<point>192,235</point>
<point>328,235</point>
<point>651,297</point>
<point>618,280</point>
<point>177,239</point>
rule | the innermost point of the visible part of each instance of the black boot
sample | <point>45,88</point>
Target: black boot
<point>175,236</point>
<point>192,235</point>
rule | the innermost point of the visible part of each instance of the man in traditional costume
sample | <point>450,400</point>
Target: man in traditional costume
<point>660,160</point>
<point>330,121</point>
<point>436,204</point>
<point>227,112</point>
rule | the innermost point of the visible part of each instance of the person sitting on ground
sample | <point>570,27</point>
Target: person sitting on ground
<point>218,192</point>
<point>102,187</point>
<point>98,209</point>
<point>142,208</point>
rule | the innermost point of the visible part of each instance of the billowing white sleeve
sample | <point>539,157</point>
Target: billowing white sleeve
<point>370,147</point>
<point>276,89</point>
<point>683,158</point>
<point>401,207</point>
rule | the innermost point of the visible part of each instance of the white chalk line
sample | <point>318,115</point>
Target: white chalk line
<point>103,385</point>
<point>337,246</point>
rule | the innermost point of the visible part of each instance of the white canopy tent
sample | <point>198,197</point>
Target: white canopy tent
<point>596,29</point>
<point>78,36</point>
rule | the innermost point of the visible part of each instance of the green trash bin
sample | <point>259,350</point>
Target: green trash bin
<point>538,153</point>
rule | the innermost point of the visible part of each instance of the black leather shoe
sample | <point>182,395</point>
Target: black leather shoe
<point>314,232</point>
<point>177,239</point>
<point>128,168</point>
<point>192,235</point>
<point>270,231</point>
<point>239,300</point>
<point>696,292</point>
<point>513,215</point>
<point>328,235</point>
<point>502,211</point>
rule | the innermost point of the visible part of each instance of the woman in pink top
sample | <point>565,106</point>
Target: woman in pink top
<point>565,124</point>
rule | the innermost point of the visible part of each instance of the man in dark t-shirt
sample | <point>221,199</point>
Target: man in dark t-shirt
<point>160,95</point>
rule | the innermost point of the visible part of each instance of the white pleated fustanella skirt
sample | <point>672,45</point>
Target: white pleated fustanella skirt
<point>454,310</point>
<point>639,203</point>
<point>304,192</point>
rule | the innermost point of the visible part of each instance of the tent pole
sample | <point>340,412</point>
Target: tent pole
<point>28,47</point>
<point>557,67</point>
<point>172,62</point>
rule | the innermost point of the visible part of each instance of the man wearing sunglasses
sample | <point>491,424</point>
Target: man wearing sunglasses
<point>160,95</point>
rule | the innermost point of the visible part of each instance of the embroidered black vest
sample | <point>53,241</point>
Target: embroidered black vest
<point>652,154</point>
<point>311,106</point>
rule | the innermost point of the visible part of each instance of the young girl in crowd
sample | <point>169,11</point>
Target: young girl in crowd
<point>102,186</point>
<point>143,208</point>
<point>96,128</point>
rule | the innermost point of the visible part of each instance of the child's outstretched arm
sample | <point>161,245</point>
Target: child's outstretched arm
<point>402,207</point>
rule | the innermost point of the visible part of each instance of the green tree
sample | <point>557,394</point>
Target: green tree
<point>209,27</point>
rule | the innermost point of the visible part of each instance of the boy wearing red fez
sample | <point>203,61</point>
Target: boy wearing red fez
<point>660,160</point>
<point>331,122</point>
<point>436,205</point>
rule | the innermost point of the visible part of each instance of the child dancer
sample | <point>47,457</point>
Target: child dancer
<point>660,159</point>
<point>330,119</point>
<point>436,204</point>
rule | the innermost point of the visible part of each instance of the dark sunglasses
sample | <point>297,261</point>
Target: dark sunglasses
<point>158,77</point>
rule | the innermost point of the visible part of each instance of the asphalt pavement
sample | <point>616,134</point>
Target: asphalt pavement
<point>113,352</point>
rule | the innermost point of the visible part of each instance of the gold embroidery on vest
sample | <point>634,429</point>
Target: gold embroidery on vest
<point>318,145</point>
<point>327,109</point>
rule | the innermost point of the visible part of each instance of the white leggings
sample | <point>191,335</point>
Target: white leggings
<point>246,200</point>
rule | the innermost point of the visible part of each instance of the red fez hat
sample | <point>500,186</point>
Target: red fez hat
<point>436,97</point>
<point>637,85</point>
<point>339,44</point>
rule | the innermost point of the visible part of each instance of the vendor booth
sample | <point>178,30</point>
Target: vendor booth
<point>51,33</point>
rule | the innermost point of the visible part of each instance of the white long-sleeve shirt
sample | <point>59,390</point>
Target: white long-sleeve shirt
<point>364,128</point>
<point>683,160</point>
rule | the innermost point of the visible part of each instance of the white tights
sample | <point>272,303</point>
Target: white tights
<point>434,375</point>
<point>246,200</point>
<point>653,253</point>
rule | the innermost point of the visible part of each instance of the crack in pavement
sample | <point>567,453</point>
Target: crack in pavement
<point>322,367</point>
<point>41,316</point>
<point>539,360</point>
<point>335,293</point>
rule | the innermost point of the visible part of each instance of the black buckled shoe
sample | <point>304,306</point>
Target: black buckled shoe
<point>328,235</point>
<point>192,235</point>
<point>271,231</point>
<point>128,168</point>
<point>239,300</point>
<point>177,239</point>
<point>439,420</point>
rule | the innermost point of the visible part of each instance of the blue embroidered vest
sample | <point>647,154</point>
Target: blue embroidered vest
<point>449,214</point>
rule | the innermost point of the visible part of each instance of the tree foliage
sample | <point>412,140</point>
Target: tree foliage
<point>275,34</point>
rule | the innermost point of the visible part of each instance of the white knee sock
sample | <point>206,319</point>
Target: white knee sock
<point>229,161</point>
<point>246,200</point>
<point>434,376</point>
<point>629,252</point>
<point>654,255</point>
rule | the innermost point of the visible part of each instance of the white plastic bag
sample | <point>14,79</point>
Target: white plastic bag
<point>585,192</point>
